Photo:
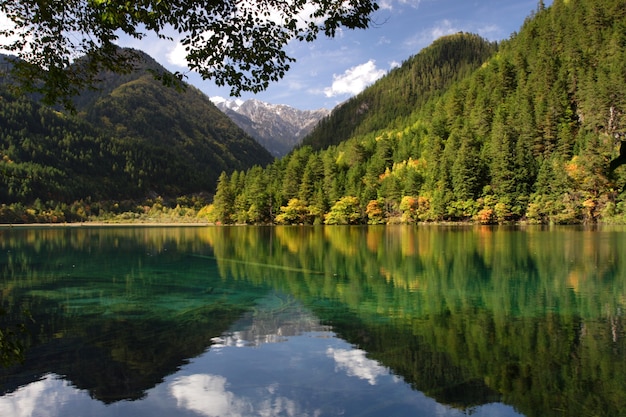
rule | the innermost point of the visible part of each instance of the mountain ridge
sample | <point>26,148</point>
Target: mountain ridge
<point>394,97</point>
<point>278,127</point>
<point>132,138</point>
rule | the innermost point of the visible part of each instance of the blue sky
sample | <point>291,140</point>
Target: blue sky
<point>329,71</point>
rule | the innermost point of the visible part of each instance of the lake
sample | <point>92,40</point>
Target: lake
<point>313,321</point>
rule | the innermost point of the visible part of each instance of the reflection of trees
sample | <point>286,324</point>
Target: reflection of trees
<point>533,314</point>
<point>117,358</point>
<point>466,315</point>
<point>12,339</point>
<point>114,310</point>
<point>514,274</point>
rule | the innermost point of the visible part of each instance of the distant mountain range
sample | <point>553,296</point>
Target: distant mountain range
<point>278,127</point>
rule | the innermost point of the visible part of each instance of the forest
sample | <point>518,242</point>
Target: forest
<point>466,130</point>
<point>525,133</point>
<point>128,142</point>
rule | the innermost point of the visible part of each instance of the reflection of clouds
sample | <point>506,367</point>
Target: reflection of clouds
<point>354,362</point>
<point>207,395</point>
<point>43,397</point>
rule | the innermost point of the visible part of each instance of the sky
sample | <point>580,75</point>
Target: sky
<point>329,71</point>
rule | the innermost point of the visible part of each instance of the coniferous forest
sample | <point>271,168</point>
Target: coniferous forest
<point>466,130</point>
<point>526,134</point>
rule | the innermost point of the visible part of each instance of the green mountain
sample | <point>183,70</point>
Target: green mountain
<point>526,135</point>
<point>130,138</point>
<point>396,96</point>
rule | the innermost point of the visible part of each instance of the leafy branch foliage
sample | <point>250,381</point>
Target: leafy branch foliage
<point>241,44</point>
<point>527,135</point>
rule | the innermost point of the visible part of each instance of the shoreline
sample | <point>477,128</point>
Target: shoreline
<point>96,224</point>
<point>103,224</point>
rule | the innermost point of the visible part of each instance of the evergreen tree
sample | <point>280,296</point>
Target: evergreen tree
<point>224,200</point>
<point>313,174</point>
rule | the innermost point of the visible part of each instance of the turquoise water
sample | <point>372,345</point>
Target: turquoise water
<point>306,321</point>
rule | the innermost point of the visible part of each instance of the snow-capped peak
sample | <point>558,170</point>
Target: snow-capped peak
<point>228,103</point>
<point>277,127</point>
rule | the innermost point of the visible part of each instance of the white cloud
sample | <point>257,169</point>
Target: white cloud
<point>178,56</point>
<point>355,363</point>
<point>445,27</point>
<point>389,4</point>
<point>50,393</point>
<point>7,24</point>
<point>427,36</point>
<point>412,3</point>
<point>355,79</point>
<point>207,395</point>
<point>385,4</point>
<point>383,41</point>
<point>489,31</point>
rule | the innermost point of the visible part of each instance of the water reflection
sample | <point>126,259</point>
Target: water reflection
<point>355,363</point>
<point>309,372</point>
<point>274,318</point>
<point>48,396</point>
<point>207,395</point>
<point>316,321</point>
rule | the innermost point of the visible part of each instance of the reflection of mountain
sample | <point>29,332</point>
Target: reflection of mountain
<point>274,318</point>
<point>467,316</point>
<point>110,314</point>
<point>531,316</point>
<point>118,358</point>
<point>427,367</point>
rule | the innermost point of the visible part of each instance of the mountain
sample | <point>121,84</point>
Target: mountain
<point>279,128</point>
<point>395,96</point>
<point>526,133</point>
<point>130,138</point>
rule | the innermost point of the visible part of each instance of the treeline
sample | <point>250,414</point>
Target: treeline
<point>185,209</point>
<point>527,136</point>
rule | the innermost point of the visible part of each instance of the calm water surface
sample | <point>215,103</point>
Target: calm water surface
<point>304,321</point>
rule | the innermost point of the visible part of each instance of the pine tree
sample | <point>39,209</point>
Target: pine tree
<point>224,200</point>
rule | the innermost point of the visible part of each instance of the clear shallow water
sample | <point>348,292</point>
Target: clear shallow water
<point>296,321</point>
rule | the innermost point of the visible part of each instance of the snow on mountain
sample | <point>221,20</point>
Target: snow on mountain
<point>278,127</point>
<point>230,104</point>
